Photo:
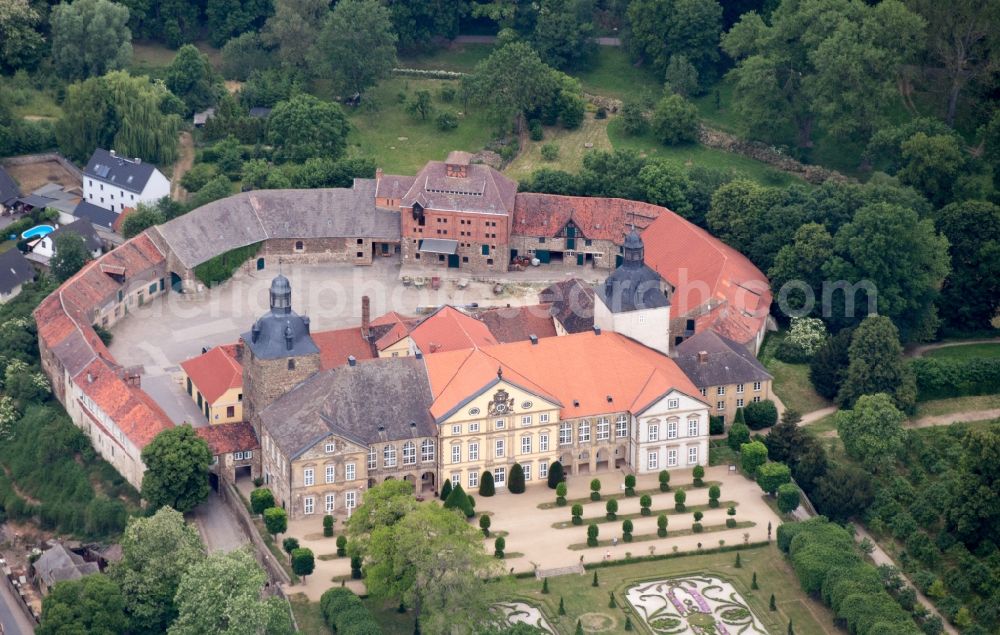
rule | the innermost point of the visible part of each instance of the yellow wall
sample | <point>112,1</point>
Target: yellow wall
<point>400,348</point>
<point>229,398</point>
<point>488,433</point>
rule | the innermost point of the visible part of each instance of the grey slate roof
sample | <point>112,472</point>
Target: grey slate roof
<point>127,174</point>
<point>633,286</point>
<point>83,229</point>
<point>280,332</point>
<point>59,563</point>
<point>727,362</point>
<point>251,217</point>
<point>9,190</point>
<point>15,270</point>
<point>353,402</point>
<point>572,304</point>
<point>96,215</point>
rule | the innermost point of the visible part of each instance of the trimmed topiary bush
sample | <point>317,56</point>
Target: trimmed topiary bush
<point>697,528</point>
<point>561,494</point>
<point>645,501</point>
<point>290,544</point>
<point>458,499</point>
<point>486,486</point>
<point>761,414</point>
<point>484,524</point>
<point>327,526</point>
<point>498,547</point>
<point>788,498</point>
<point>261,499</point>
<point>713,496</point>
<point>661,525</point>
<point>556,475</point>
<point>679,498</point>
<point>739,433</point>
<point>592,533</point>
<point>446,489</point>
<point>341,546</point>
<point>630,485</point>
<point>612,508</point>
<point>515,484</point>
<point>627,530</point>
<point>716,425</point>
<point>595,489</point>
<point>577,512</point>
<point>275,520</point>
<point>699,474</point>
<point>664,478</point>
<point>303,561</point>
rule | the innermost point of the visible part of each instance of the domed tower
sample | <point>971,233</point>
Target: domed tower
<point>279,352</point>
<point>635,300</point>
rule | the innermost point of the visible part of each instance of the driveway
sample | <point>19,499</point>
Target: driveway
<point>219,529</point>
<point>12,619</point>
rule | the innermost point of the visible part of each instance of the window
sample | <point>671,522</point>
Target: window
<point>671,429</point>
<point>499,448</point>
<point>671,458</point>
<point>543,418</point>
<point>299,245</point>
<point>526,445</point>
<point>721,390</point>
<point>456,453</point>
<point>739,403</point>
<point>328,448</point>
<point>349,472</point>
<point>720,405</point>
<point>473,451</point>
<point>756,399</point>
<point>371,458</point>
<point>653,460</point>
<point>499,476</point>
<point>603,429</point>
<point>692,456</point>
<point>291,364</point>
<point>427,450</point>
<point>704,392</point>
<point>237,456</point>
<point>308,476</point>
<point>456,429</point>
<point>543,442</point>
<point>526,420</point>
<point>328,503</point>
<point>389,456</point>
<point>230,411</point>
<point>653,432</point>
<point>739,389</point>
<point>527,471</point>
<point>473,479</point>
<point>565,433</point>
<point>308,504</point>
<point>756,386</point>
<point>474,426</point>
<point>409,453</point>
<point>673,403</point>
<point>692,427</point>
<point>584,432</point>
<point>543,469</point>
<point>499,424</point>
<point>621,426</point>
<point>350,500</point>
<point>456,479</point>
<point>248,455</point>
<point>152,288</point>
<point>329,473</point>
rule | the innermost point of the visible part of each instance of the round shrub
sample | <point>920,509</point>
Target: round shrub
<point>446,120</point>
<point>679,498</point>
<point>535,130</point>
<point>630,485</point>
<point>498,547</point>
<point>664,478</point>
<point>675,121</point>
<point>788,498</point>
<point>447,94</point>
<point>561,494</point>
<point>739,433</point>
<point>341,546</point>
<point>713,496</point>
<point>698,516</point>
<point>327,525</point>
<point>550,152</point>
<point>595,489</point>
<point>484,524</point>
<point>612,509</point>
<point>577,511</point>
<point>698,473</point>
<point>661,525</point>
<point>602,113</point>
<point>592,533</point>
<point>290,544</point>
<point>761,414</point>
<point>261,499</point>
<point>627,531</point>
<point>697,528</point>
<point>556,475</point>
<point>645,501</point>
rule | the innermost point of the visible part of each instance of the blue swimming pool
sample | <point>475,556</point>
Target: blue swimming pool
<point>38,231</point>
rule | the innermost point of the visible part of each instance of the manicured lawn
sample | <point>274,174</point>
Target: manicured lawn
<point>773,576</point>
<point>693,154</point>
<point>613,75</point>
<point>791,381</point>
<point>572,146</point>
<point>964,351</point>
<point>957,404</point>
<point>400,143</point>
<point>460,57</point>
<point>308,615</point>
<point>826,424</point>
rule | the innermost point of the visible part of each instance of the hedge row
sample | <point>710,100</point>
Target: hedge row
<point>829,566</point>
<point>344,613</point>
<point>944,378</point>
<point>427,73</point>
<point>222,267</point>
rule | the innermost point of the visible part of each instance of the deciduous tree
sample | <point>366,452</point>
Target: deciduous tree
<point>511,81</point>
<point>70,255</point>
<point>358,45</point>
<point>90,37</point>
<point>20,42</point>
<point>872,431</point>
<point>970,298</point>
<point>92,604</point>
<point>876,365</point>
<point>305,127</point>
<point>294,31</point>
<point>176,475</point>
<point>771,476</point>
<point>564,33</point>
<point>190,77</point>
<point>658,29</point>
<point>675,121</point>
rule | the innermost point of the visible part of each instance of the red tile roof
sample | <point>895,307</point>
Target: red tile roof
<point>579,372</point>
<point>518,323</point>
<point>215,372</point>
<point>225,438</point>
<point>133,411</point>
<point>597,218</point>
<point>448,329</point>
<point>336,346</point>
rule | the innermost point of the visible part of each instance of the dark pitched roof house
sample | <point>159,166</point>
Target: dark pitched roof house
<point>458,185</point>
<point>633,286</point>
<point>83,228</point>
<point>98,216</point>
<point>710,359</point>
<point>571,304</point>
<point>15,270</point>
<point>59,563</point>
<point>128,174</point>
<point>9,191</point>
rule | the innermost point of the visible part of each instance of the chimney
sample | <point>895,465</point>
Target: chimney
<point>378,175</point>
<point>238,351</point>
<point>113,153</point>
<point>597,330</point>
<point>352,361</point>
<point>534,340</point>
<point>366,316</point>
<point>702,357</point>
<point>138,161</point>
<point>418,354</point>
<point>289,338</point>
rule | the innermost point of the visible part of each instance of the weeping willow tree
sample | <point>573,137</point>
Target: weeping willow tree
<point>132,115</point>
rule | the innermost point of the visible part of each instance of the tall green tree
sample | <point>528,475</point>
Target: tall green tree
<point>228,18</point>
<point>89,37</point>
<point>20,42</point>
<point>975,517</point>
<point>172,22</point>
<point>190,77</point>
<point>658,29</point>
<point>828,367</point>
<point>433,561</point>
<point>93,604</point>
<point>70,255</point>
<point>305,127</point>
<point>564,33</point>
<point>421,25</point>
<point>176,475</point>
<point>801,262</point>
<point>872,431</point>
<point>675,121</point>
<point>156,552</point>
<point>357,45</point>
<point>931,165</point>
<point>970,298</point>
<point>511,81</point>
<point>383,505</point>
<point>294,31</point>
<point>876,365</point>
<point>221,594</point>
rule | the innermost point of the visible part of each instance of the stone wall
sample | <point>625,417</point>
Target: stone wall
<point>264,380</point>
<point>766,154</point>
<point>317,250</point>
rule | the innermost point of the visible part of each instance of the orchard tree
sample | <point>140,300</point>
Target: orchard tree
<point>92,604</point>
<point>156,552</point>
<point>659,29</point>
<point>223,590</point>
<point>177,462</point>
<point>873,431</point>
<point>305,127</point>
<point>70,255</point>
<point>89,37</point>
<point>876,365</point>
<point>358,45</point>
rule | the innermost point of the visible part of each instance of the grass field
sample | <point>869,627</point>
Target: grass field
<point>459,57</point>
<point>401,143</point>
<point>151,58</point>
<point>965,351</point>
<point>572,148</point>
<point>822,426</point>
<point>954,405</point>
<point>308,615</point>
<point>614,76</point>
<point>27,101</point>
<point>791,381</point>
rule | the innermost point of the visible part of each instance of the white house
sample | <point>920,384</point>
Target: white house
<point>115,182</point>
<point>46,245</point>
<point>670,433</point>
